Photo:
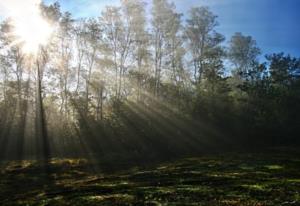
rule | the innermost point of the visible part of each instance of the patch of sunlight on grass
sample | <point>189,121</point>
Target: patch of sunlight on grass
<point>27,163</point>
<point>107,184</point>
<point>254,187</point>
<point>123,197</point>
<point>41,194</point>
<point>68,161</point>
<point>231,175</point>
<point>153,202</point>
<point>58,198</point>
<point>146,172</point>
<point>125,183</point>
<point>115,184</point>
<point>215,175</point>
<point>261,173</point>
<point>96,197</point>
<point>14,165</point>
<point>198,189</point>
<point>231,202</point>
<point>294,180</point>
<point>68,180</point>
<point>165,190</point>
<point>246,167</point>
<point>162,168</point>
<point>274,167</point>
<point>234,174</point>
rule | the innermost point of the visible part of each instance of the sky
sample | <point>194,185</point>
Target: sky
<point>274,24</point>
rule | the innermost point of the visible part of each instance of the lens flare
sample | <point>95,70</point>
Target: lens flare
<point>30,29</point>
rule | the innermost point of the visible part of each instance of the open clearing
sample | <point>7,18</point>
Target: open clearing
<point>270,178</point>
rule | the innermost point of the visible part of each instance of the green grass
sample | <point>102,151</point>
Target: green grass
<point>231,179</point>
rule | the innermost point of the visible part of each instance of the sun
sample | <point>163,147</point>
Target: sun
<point>32,32</point>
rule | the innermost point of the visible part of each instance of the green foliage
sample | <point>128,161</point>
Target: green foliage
<point>118,85</point>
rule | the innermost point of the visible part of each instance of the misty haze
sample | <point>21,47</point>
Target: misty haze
<point>149,102</point>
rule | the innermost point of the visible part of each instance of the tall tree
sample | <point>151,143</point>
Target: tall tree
<point>243,53</point>
<point>63,58</point>
<point>136,14</point>
<point>199,31</point>
<point>93,36</point>
<point>161,11</point>
<point>118,38</point>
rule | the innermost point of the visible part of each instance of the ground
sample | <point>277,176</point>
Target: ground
<point>260,179</point>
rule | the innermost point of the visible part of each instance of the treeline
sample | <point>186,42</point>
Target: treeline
<point>127,85</point>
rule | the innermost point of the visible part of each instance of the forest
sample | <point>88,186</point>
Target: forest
<point>140,86</point>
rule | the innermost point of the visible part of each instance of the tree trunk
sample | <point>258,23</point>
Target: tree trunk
<point>41,127</point>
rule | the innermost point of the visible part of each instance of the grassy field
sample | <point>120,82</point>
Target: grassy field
<point>269,178</point>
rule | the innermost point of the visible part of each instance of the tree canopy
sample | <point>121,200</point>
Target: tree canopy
<point>125,83</point>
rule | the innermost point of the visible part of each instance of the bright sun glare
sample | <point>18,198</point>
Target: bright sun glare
<point>30,29</point>
<point>32,32</point>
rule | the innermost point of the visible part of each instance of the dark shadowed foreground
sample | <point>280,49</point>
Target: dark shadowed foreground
<point>271,177</point>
